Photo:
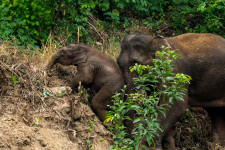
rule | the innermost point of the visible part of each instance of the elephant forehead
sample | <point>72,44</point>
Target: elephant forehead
<point>141,39</point>
<point>72,45</point>
<point>66,48</point>
<point>135,41</point>
<point>129,37</point>
<point>138,41</point>
<point>139,52</point>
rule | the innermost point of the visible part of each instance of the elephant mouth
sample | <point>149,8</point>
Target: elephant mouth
<point>136,62</point>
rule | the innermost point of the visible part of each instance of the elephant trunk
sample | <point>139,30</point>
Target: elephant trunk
<point>128,76</point>
<point>51,63</point>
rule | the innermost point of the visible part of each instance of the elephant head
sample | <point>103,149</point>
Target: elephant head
<point>137,48</point>
<point>73,54</point>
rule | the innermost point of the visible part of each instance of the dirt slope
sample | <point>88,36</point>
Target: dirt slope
<point>17,135</point>
<point>33,118</point>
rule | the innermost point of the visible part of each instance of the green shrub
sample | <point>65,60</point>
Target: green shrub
<point>26,22</point>
<point>213,13</point>
<point>31,22</point>
<point>197,16</point>
<point>71,17</point>
<point>161,82</point>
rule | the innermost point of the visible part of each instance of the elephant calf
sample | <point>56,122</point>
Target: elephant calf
<point>95,70</point>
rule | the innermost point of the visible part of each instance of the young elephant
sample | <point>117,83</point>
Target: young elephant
<point>95,70</point>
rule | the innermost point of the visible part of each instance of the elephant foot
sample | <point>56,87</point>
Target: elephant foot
<point>218,124</point>
<point>156,148</point>
<point>107,125</point>
<point>169,147</point>
<point>214,146</point>
<point>219,140</point>
<point>168,141</point>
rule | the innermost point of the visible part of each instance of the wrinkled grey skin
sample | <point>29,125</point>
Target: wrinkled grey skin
<point>203,58</point>
<point>95,70</point>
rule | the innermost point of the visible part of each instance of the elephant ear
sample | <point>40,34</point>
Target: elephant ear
<point>157,43</point>
<point>79,54</point>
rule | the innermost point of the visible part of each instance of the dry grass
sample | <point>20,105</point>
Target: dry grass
<point>23,77</point>
<point>20,74</point>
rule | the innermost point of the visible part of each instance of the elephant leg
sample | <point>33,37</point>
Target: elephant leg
<point>84,75</point>
<point>168,140</point>
<point>175,112</point>
<point>218,124</point>
<point>75,81</point>
<point>100,102</point>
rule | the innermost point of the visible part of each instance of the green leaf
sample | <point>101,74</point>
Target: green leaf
<point>115,11</point>
<point>32,17</point>
<point>137,120</point>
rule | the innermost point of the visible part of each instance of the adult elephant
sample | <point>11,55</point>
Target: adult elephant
<point>203,58</point>
<point>97,71</point>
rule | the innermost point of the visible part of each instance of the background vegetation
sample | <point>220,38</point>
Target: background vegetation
<point>31,23</point>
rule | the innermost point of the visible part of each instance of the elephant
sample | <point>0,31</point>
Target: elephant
<point>202,58</point>
<point>96,71</point>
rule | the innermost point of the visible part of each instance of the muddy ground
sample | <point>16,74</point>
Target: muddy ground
<point>33,118</point>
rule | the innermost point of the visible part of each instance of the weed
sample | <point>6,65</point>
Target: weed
<point>14,80</point>
<point>90,127</point>
<point>37,121</point>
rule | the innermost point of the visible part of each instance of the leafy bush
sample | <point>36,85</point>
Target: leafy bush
<point>31,22</point>
<point>161,82</point>
<point>197,16</point>
<point>213,13</point>
<point>27,22</point>
<point>71,17</point>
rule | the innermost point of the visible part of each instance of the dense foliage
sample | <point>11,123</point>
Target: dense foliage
<point>31,22</point>
<point>164,85</point>
<point>26,21</point>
